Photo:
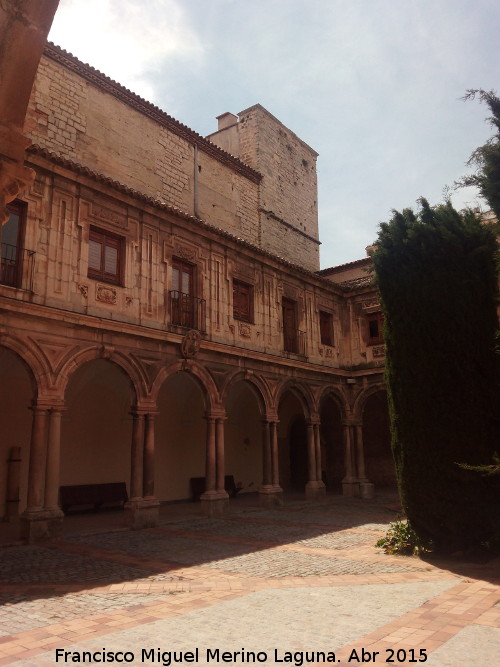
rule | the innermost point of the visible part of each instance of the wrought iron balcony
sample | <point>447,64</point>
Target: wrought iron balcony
<point>294,341</point>
<point>187,311</point>
<point>17,267</point>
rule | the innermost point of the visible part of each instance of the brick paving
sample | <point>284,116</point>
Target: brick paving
<point>300,578</point>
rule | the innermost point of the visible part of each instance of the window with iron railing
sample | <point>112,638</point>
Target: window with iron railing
<point>186,309</point>
<point>16,263</point>
<point>294,340</point>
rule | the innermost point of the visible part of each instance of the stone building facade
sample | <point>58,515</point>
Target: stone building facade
<point>164,317</point>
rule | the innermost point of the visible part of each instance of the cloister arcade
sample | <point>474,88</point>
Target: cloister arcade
<point>94,415</point>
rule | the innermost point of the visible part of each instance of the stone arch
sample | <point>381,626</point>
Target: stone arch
<point>135,374</point>
<point>20,373</point>
<point>256,384</point>
<point>34,362</point>
<point>96,425</point>
<point>187,401</point>
<point>363,396</point>
<point>337,395</point>
<point>199,373</point>
<point>301,392</point>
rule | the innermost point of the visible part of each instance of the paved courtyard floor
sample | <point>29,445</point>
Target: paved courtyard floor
<point>294,585</point>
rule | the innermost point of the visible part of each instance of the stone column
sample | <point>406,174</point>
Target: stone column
<point>38,453</point>
<point>220,463</point>
<point>319,467</point>
<point>214,501</point>
<point>149,457</point>
<point>366,488</point>
<point>350,486</point>
<point>314,487</point>
<point>142,508</point>
<point>137,457</point>
<point>267,471</point>
<point>34,523</point>
<point>270,492</point>
<point>52,474</point>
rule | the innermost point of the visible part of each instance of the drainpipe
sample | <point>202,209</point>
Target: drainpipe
<point>195,181</point>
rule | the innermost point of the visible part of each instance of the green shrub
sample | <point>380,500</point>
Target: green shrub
<point>401,539</point>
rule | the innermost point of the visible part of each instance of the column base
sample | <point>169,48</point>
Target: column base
<point>270,496</point>
<point>315,490</point>
<point>366,490</point>
<point>350,488</point>
<point>36,526</point>
<point>144,513</point>
<point>214,503</point>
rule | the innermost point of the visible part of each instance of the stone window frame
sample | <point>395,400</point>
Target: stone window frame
<point>374,328</point>
<point>326,328</point>
<point>107,240</point>
<point>244,291</point>
<point>11,267</point>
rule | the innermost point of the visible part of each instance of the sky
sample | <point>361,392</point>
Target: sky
<point>374,86</point>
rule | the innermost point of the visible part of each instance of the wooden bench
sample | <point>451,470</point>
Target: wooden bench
<point>96,495</point>
<point>198,486</point>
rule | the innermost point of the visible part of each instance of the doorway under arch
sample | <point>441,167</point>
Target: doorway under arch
<point>292,443</point>
<point>96,428</point>
<point>332,444</point>
<point>180,437</point>
<point>243,437</point>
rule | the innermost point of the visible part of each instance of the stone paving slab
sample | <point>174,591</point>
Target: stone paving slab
<point>35,564</point>
<point>305,575</point>
<point>319,619</point>
<point>473,645</point>
<point>21,612</point>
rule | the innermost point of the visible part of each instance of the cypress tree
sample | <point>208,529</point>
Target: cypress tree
<point>436,272</point>
<point>487,157</point>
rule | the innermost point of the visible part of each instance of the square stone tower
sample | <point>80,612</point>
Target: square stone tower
<point>288,190</point>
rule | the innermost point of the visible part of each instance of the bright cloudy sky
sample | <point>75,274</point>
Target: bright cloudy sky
<point>372,85</point>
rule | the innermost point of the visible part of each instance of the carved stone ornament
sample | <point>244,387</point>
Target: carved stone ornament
<point>84,289</point>
<point>244,330</point>
<point>107,214</point>
<point>185,253</point>
<point>106,294</point>
<point>190,345</point>
<point>370,303</point>
<point>378,351</point>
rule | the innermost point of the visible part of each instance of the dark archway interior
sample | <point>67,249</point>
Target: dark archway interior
<point>332,445</point>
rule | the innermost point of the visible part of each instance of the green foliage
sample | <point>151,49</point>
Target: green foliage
<point>487,158</point>
<point>486,470</point>
<point>401,539</point>
<point>436,272</point>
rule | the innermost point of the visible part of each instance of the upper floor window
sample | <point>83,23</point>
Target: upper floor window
<point>105,256</point>
<point>326,328</point>
<point>242,301</point>
<point>187,310</point>
<point>375,324</point>
<point>290,332</point>
<point>11,237</point>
